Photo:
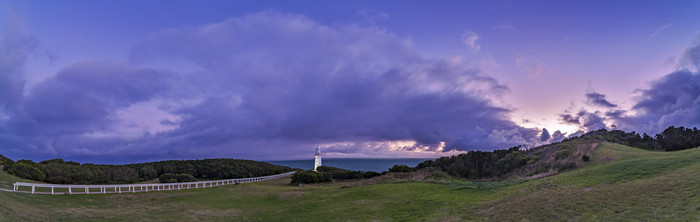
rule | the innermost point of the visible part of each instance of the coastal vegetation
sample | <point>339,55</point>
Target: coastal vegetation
<point>328,174</point>
<point>569,180</point>
<point>58,171</point>
<point>553,158</point>
<point>617,183</point>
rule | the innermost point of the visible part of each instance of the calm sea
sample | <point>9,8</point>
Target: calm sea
<point>355,164</point>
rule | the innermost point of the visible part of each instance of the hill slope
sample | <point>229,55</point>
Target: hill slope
<point>618,183</point>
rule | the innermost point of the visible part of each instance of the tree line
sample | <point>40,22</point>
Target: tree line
<point>484,164</point>
<point>328,173</point>
<point>481,164</point>
<point>471,165</point>
<point>59,171</point>
<point>671,139</point>
<point>498,163</point>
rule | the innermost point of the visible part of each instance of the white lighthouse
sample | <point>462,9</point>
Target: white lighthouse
<point>317,158</point>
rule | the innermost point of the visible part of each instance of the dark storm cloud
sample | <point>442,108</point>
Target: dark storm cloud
<point>592,121</point>
<point>545,135</point>
<point>84,97</point>
<point>569,119</point>
<point>558,136</point>
<point>322,84</point>
<point>598,99</point>
<point>15,47</point>
<point>270,86</point>
<point>671,100</point>
<point>585,120</point>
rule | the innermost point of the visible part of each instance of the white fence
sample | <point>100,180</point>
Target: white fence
<point>132,188</point>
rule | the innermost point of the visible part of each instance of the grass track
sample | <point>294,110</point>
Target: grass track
<point>620,183</point>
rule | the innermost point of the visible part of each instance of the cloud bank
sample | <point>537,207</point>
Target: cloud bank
<point>264,86</point>
<point>598,99</point>
<point>672,100</point>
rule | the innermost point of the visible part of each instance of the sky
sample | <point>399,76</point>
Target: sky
<point>135,81</point>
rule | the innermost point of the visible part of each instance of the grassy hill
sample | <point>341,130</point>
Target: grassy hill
<point>618,183</point>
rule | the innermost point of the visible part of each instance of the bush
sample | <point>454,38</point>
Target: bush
<point>562,154</point>
<point>59,180</point>
<point>310,176</point>
<point>533,159</point>
<point>564,166</point>
<point>175,178</point>
<point>511,161</point>
<point>26,169</point>
<point>370,174</point>
<point>585,158</point>
<point>6,162</point>
<point>343,174</point>
<point>426,164</point>
<point>401,168</point>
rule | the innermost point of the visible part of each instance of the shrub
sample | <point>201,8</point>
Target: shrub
<point>310,176</point>
<point>27,170</point>
<point>6,162</point>
<point>426,164</point>
<point>533,159</point>
<point>370,174</point>
<point>585,158</point>
<point>562,154</point>
<point>175,178</point>
<point>401,168</point>
<point>564,166</point>
<point>343,174</point>
<point>59,180</point>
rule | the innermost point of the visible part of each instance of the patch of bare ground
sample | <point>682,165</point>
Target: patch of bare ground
<point>554,158</point>
<point>542,175</point>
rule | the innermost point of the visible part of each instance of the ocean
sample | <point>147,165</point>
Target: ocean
<point>355,164</point>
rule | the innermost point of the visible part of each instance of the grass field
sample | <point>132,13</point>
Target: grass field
<point>620,183</point>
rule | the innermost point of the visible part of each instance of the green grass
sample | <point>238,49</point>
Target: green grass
<point>619,183</point>
<point>6,180</point>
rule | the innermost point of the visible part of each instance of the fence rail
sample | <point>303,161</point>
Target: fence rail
<point>132,188</point>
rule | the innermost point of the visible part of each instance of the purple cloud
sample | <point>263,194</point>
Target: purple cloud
<point>84,97</point>
<point>671,100</point>
<point>545,135</point>
<point>267,86</point>
<point>598,99</point>
<point>558,136</point>
<point>585,120</point>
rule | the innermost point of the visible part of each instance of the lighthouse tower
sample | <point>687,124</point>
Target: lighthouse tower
<point>317,158</point>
